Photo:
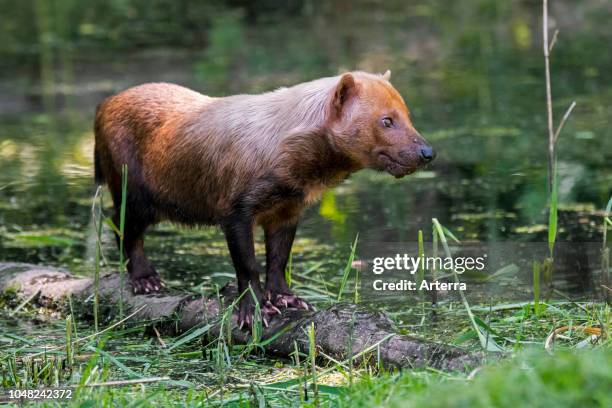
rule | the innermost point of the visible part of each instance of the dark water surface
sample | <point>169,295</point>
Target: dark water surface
<point>473,81</point>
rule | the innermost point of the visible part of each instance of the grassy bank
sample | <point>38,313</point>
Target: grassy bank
<point>533,379</point>
<point>135,366</point>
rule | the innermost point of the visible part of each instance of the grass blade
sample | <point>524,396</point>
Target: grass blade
<point>552,215</point>
<point>192,335</point>
<point>122,261</point>
<point>536,287</point>
<point>312,356</point>
<point>289,269</point>
<point>347,268</point>
<point>485,341</point>
<point>421,272</point>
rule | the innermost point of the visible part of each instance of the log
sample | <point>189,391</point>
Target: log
<point>336,327</point>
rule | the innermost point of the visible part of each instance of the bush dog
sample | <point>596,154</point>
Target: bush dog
<point>247,160</point>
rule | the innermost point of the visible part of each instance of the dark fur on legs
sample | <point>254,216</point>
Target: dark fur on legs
<point>239,235</point>
<point>143,276</point>
<point>278,249</point>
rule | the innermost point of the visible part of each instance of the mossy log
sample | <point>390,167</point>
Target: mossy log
<point>337,327</point>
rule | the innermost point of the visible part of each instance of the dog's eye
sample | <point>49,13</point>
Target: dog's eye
<point>387,122</point>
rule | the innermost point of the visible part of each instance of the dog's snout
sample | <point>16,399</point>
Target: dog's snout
<point>405,154</point>
<point>427,153</point>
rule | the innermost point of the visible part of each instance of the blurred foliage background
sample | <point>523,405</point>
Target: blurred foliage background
<point>471,72</point>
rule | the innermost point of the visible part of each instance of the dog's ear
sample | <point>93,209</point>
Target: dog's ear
<point>387,75</point>
<point>345,89</point>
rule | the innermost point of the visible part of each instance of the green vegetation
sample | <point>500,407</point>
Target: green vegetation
<point>579,379</point>
<point>122,365</point>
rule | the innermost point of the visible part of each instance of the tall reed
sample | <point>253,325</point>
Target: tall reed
<point>312,356</point>
<point>122,260</point>
<point>605,253</point>
<point>97,222</point>
<point>553,134</point>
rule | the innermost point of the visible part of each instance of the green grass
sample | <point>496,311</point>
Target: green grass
<point>579,379</point>
<point>186,372</point>
<point>531,378</point>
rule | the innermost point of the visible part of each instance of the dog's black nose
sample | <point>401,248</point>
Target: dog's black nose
<point>427,154</point>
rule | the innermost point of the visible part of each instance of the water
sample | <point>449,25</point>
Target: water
<point>472,78</point>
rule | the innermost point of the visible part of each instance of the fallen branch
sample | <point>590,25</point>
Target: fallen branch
<point>335,327</point>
